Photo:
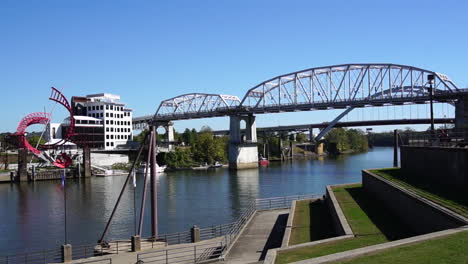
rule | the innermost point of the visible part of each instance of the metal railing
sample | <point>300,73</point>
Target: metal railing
<point>36,257</point>
<point>281,202</point>
<point>201,252</point>
<point>96,261</point>
<point>184,254</point>
<point>442,138</point>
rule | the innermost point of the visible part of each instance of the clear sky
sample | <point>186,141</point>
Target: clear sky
<point>147,51</point>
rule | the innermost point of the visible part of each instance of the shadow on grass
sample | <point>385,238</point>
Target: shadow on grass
<point>321,223</point>
<point>429,185</point>
<point>389,224</point>
<point>276,235</point>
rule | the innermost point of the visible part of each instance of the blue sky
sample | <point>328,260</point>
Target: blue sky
<point>148,51</point>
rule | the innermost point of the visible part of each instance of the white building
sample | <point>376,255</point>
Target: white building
<point>116,118</point>
<point>101,121</point>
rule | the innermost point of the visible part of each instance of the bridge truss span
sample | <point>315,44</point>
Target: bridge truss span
<point>196,105</point>
<point>342,86</point>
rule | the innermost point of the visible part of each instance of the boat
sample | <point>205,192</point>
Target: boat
<point>215,165</point>
<point>263,161</point>
<point>159,169</point>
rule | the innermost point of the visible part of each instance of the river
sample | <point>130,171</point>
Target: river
<point>32,214</point>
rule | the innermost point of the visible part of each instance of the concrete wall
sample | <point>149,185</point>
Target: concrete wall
<point>446,166</point>
<point>419,214</point>
<point>102,159</point>
<point>243,156</point>
<point>340,224</point>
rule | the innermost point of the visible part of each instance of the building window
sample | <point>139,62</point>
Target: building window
<point>112,129</point>
<point>111,107</point>
<point>107,107</point>
<point>112,114</point>
<point>101,107</point>
<point>107,136</point>
<point>112,144</point>
<point>112,122</point>
<point>107,122</point>
<point>107,114</point>
<point>107,144</point>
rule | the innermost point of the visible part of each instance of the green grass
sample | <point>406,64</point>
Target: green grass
<point>449,249</point>
<point>371,223</point>
<point>312,221</point>
<point>447,197</point>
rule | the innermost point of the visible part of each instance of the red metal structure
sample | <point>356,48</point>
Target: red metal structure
<point>44,118</point>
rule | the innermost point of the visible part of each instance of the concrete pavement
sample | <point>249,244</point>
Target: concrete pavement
<point>265,231</point>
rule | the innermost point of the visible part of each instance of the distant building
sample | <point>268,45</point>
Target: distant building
<point>101,121</point>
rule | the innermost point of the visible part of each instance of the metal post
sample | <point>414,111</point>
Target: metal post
<point>33,173</point>
<point>430,78</point>
<point>395,148</point>
<point>145,184</point>
<point>122,191</point>
<point>195,254</point>
<point>65,203</point>
<point>154,191</point>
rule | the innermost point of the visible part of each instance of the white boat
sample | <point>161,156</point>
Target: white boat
<point>159,169</point>
<point>215,165</point>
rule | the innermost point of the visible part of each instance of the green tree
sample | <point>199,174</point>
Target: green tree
<point>180,158</point>
<point>209,149</point>
<point>34,139</point>
<point>357,140</point>
<point>336,141</point>
<point>301,137</point>
<point>140,137</point>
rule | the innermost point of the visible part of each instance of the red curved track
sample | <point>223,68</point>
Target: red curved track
<point>44,118</point>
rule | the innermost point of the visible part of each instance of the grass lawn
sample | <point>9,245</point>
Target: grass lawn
<point>312,221</point>
<point>458,202</point>
<point>371,223</point>
<point>450,249</point>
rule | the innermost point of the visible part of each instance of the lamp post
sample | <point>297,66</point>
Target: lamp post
<point>430,79</point>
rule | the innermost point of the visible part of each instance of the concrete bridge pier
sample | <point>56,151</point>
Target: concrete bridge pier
<point>169,127</point>
<point>169,135</point>
<point>243,151</point>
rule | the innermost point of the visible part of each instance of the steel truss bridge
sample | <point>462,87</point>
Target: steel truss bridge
<point>345,86</point>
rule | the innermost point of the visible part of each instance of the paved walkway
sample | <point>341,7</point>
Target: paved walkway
<point>264,232</point>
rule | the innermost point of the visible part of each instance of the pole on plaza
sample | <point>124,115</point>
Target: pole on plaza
<point>101,240</point>
<point>64,176</point>
<point>145,184</point>
<point>154,191</point>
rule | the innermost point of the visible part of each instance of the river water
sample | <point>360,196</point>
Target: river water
<point>32,214</point>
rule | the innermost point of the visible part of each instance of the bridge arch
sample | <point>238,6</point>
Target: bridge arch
<point>196,105</point>
<point>345,84</point>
